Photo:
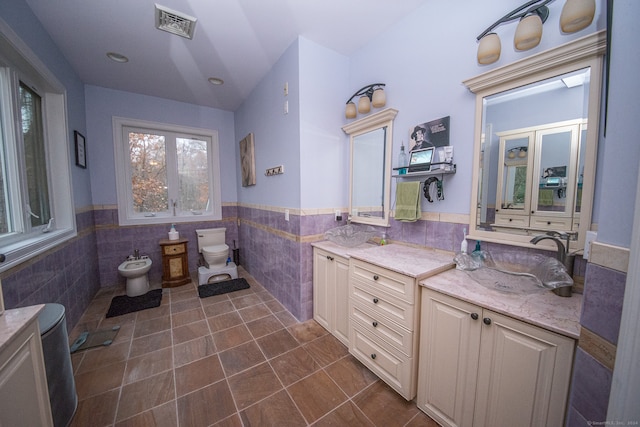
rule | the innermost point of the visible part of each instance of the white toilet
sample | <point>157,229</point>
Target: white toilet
<point>215,256</point>
<point>135,270</point>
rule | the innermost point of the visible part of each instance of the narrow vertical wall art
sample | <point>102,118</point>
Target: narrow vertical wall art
<point>248,161</point>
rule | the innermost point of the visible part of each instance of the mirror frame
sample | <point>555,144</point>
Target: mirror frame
<point>365,125</point>
<point>581,53</point>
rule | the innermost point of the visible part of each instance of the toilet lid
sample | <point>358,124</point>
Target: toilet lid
<point>215,249</point>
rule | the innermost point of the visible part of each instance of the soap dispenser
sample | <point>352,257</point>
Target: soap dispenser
<point>173,234</point>
<point>402,161</point>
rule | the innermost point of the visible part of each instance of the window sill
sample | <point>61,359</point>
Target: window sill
<point>168,219</point>
<point>22,251</point>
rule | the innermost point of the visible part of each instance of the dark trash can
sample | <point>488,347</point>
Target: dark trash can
<point>57,363</point>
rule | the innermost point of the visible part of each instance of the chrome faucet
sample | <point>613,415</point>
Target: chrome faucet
<point>563,251</point>
<point>136,254</point>
<point>562,254</point>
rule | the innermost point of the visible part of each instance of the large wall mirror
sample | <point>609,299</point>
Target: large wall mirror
<point>370,172</point>
<point>536,144</point>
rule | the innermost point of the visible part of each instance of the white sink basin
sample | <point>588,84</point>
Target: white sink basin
<point>515,272</point>
<point>350,235</point>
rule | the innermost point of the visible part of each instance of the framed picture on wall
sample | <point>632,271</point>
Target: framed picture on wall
<point>81,149</point>
<point>248,161</point>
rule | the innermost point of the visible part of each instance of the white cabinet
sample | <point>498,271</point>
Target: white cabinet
<point>480,368</point>
<point>383,324</point>
<point>331,293</point>
<point>24,396</point>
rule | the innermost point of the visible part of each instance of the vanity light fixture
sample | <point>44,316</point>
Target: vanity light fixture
<point>372,94</point>
<point>576,15</point>
<point>521,152</point>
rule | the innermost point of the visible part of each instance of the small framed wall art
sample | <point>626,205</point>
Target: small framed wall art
<point>81,149</point>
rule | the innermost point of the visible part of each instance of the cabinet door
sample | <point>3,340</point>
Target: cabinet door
<point>450,342</point>
<point>341,300</point>
<point>523,374</point>
<point>321,280</point>
<point>24,396</point>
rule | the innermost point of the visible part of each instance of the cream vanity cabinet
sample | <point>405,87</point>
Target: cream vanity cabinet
<point>480,368</point>
<point>331,293</point>
<point>383,329</point>
<point>24,396</point>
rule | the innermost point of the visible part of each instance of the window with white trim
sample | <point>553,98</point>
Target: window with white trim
<point>36,203</point>
<point>166,173</point>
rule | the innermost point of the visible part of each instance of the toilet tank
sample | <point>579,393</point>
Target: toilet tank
<point>210,237</point>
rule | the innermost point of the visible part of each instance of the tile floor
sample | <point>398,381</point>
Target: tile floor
<point>238,359</point>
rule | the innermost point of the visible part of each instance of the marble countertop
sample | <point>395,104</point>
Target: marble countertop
<point>336,249</point>
<point>546,309</point>
<point>418,263</point>
<point>15,320</point>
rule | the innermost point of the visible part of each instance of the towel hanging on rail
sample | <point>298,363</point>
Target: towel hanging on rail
<point>408,201</point>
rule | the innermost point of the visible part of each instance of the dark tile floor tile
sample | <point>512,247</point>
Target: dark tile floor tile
<point>316,395</point>
<point>225,361</point>
<point>276,410</point>
<point>251,386</point>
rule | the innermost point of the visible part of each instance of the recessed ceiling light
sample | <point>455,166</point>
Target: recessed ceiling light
<point>117,57</point>
<point>215,81</point>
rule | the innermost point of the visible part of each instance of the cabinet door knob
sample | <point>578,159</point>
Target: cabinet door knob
<point>486,321</point>
<point>375,324</point>
<point>373,356</point>
<point>474,316</point>
<point>375,277</point>
<point>375,300</point>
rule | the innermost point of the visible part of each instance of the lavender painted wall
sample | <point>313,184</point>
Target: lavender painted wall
<point>103,104</point>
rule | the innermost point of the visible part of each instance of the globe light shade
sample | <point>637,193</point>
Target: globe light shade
<point>379,98</point>
<point>577,14</point>
<point>528,32</point>
<point>364,105</point>
<point>489,49</point>
<point>350,111</point>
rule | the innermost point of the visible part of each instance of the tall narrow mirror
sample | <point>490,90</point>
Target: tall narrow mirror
<point>370,174</point>
<point>536,144</point>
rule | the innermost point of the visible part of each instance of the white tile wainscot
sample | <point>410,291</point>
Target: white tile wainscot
<point>384,309</point>
<point>493,358</point>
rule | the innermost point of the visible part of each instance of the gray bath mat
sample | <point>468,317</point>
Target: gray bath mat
<point>218,288</point>
<point>123,304</point>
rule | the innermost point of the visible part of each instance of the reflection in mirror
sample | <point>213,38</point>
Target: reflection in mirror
<point>535,154</point>
<point>368,166</point>
<point>370,177</point>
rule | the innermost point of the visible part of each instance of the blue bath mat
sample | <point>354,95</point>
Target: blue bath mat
<point>218,288</point>
<point>124,304</point>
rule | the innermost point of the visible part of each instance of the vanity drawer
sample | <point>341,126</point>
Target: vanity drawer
<point>550,223</point>
<point>397,337</point>
<point>382,305</point>
<point>393,368</point>
<point>508,220</point>
<point>381,279</point>
<point>174,249</point>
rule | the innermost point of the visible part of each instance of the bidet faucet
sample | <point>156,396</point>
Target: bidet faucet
<point>136,253</point>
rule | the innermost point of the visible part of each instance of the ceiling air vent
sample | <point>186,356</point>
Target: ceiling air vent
<point>175,22</point>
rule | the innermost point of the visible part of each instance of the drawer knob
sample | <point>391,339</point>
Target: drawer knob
<point>373,356</point>
<point>375,300</point>
<point>474,316</point>
<point>376,277</point>
<point>486,321</point>
<point>330,258</point>
<point>375,324</point>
